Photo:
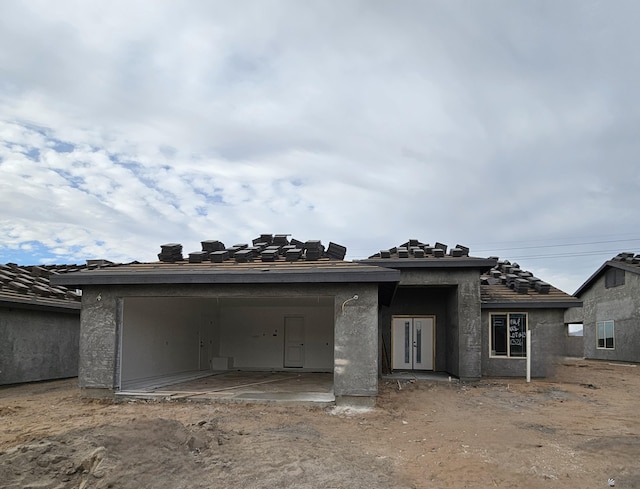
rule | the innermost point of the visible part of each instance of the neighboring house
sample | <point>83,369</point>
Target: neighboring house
<point>281,304</point>
<point>39,325</point>
<point>611,310</point>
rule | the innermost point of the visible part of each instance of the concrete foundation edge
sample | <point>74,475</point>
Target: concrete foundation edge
<point>356,401</point>
<point>96,393</point>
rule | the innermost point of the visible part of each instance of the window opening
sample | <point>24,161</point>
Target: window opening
<point>576,329</point>
<point>509,335</point>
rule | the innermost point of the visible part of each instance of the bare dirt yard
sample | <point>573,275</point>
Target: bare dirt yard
<point>575,430</point>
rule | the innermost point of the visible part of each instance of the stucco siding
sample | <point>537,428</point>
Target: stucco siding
<point>37,345</point>
<point>547,345</point>
<point>619,304</point>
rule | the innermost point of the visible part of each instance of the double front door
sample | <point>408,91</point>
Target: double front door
<point>412,343</point>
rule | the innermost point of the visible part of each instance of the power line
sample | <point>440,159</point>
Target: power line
<point>560,245</point>
<point>633,237</point>
<point>566,255</point>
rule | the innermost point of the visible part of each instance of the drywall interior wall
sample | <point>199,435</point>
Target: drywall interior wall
<point>169,335</point>
<point>161,336</point>
<point>252,331</point>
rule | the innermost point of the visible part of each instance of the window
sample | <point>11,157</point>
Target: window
<point>613,277</point>
<point>575,329</point>
<point>509,335</point>
<point>605,335</point>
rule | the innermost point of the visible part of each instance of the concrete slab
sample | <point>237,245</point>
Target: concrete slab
<point>258,387</point>
<point>416,375</point>
<point>312,397</point>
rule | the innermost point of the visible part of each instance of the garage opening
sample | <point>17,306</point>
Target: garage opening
<point>170,340</point>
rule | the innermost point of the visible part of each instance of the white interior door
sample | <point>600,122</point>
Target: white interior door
<point>412,343</point>
<point>205,343</point>
<point>294,341</point>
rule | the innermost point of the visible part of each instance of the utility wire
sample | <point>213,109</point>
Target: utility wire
<point>565,255</point>
<point>559,245</point>
<point>631,237</point>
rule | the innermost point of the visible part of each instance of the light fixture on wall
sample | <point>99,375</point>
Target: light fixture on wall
<point>354,298</point>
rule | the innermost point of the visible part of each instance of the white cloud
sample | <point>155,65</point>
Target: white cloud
<point>126,125</point>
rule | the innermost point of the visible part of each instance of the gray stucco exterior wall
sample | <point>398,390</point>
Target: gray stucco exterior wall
<point>575,346</point>
<point>547,345</point>
<point>620,304</point>
<point>38,345</point>
<point>356,343</point>
<point>98,338</point>
<point>470,329</point>
<point>451,346</point>
<point>462,322</point>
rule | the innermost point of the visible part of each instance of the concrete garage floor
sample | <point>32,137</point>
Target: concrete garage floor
<point>235,386</point>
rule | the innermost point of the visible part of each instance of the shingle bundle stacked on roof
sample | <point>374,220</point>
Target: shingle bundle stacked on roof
<point>219,256</point>
<point>266,248</point>
<point>198,256</point>
<point>313,250</point>
<point>416,249</point>
<point>210,246</point>
<point>170,252</point>
<point>270,253</point>
<point>510,275</point>
<point>293,253</point>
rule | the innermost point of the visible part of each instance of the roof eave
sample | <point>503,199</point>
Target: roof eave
<point>531,304</point>
<point>482,264</point>
<point>69,308</point>
<point>225,277</point>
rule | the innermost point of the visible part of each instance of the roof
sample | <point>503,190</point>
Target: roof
<point>276,259</point>
<point>271,259</point>
<point>319,271</point>
<point>416,254</point>
<point>627,261</point>
<point>508,286</point>
<point>30,287</point>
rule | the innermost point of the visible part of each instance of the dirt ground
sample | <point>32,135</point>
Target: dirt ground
<point>576,430</point>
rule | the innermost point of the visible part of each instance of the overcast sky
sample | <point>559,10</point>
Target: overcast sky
<point>509,127</point>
